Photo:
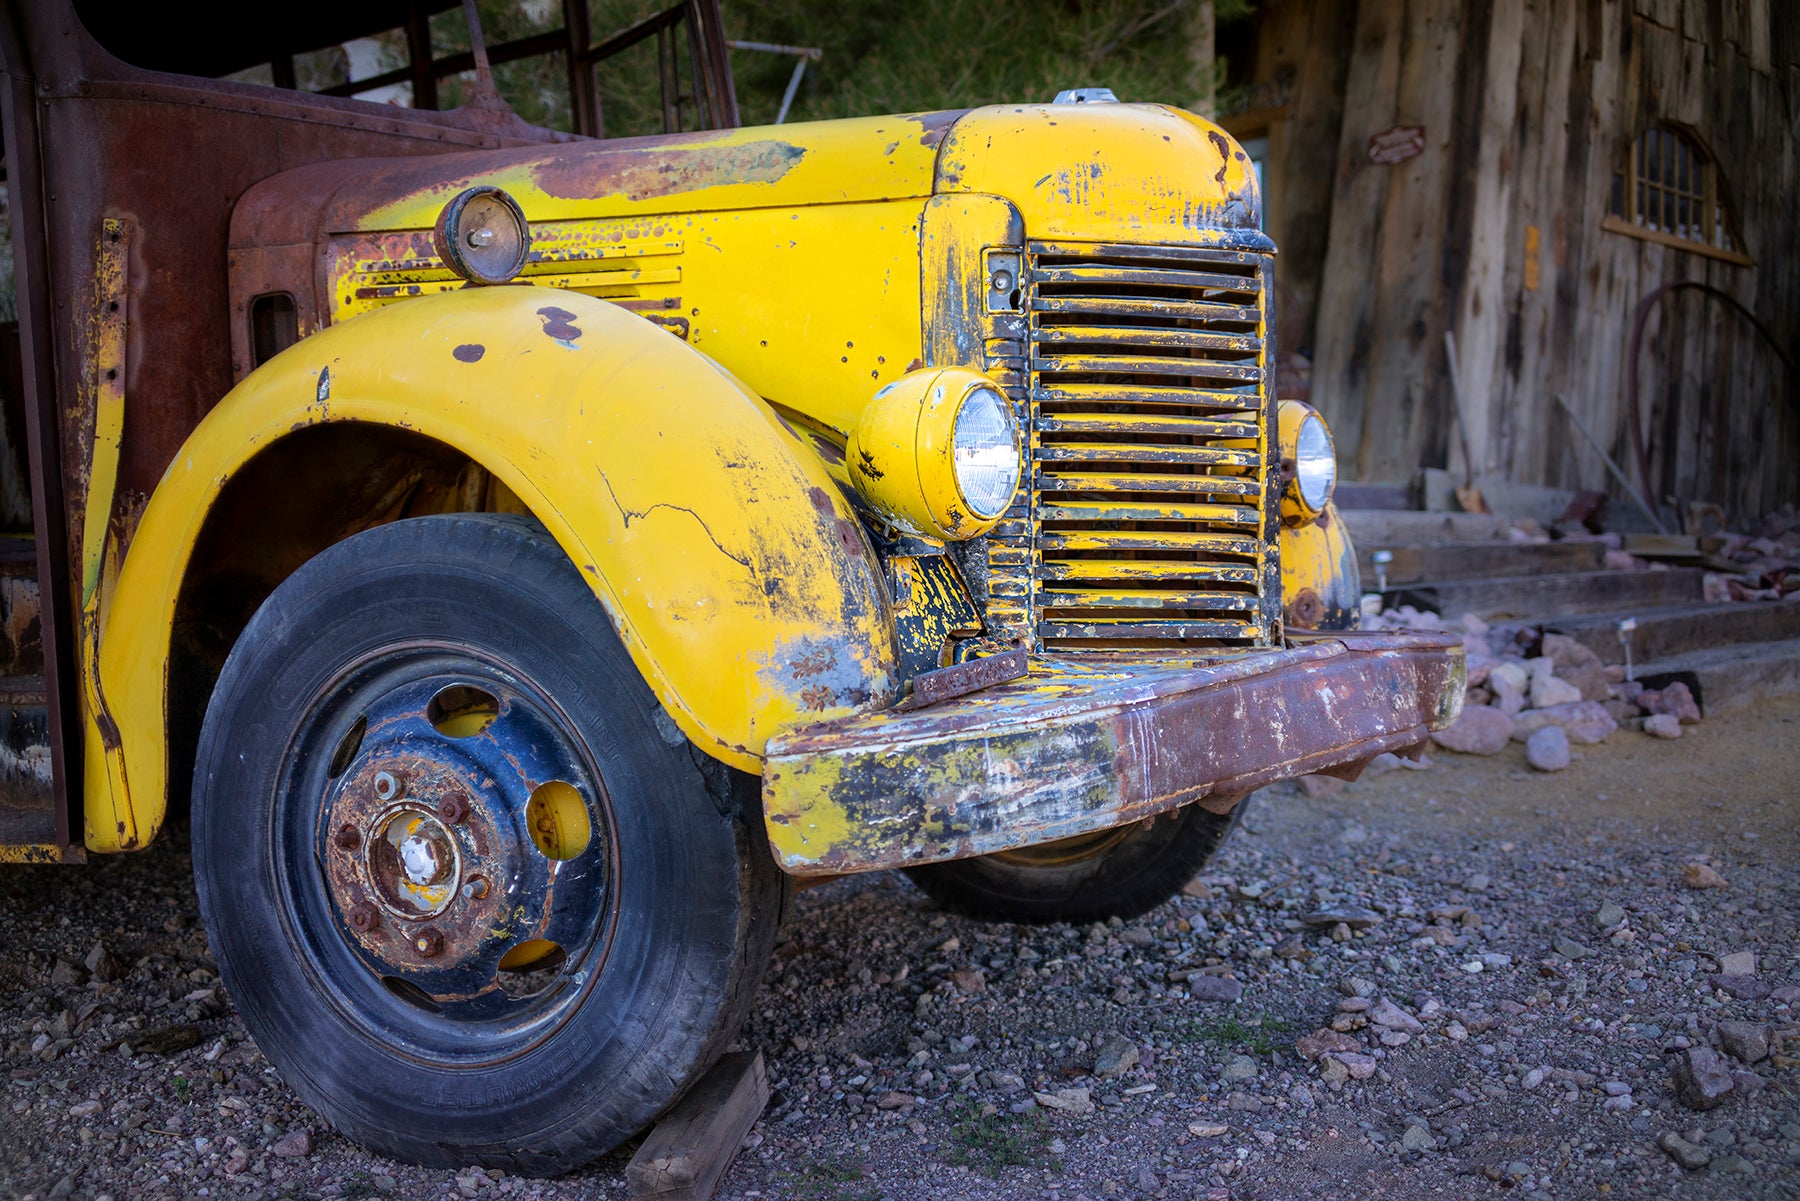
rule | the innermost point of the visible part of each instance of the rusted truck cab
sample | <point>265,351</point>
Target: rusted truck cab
<point>533,553</point>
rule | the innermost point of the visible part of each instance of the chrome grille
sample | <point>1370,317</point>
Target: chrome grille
<point>1151,510</point>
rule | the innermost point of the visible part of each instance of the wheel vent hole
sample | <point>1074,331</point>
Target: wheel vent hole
<point>558,816</point>
<point>462,711</point>
<point>347,747</point>
<point>530,967</point>
<point>411,993</point>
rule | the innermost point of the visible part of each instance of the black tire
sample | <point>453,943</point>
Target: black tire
<point>646,939</point>
<point>1120,873</point>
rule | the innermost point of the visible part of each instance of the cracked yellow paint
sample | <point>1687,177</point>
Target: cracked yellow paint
<point>727,559</point>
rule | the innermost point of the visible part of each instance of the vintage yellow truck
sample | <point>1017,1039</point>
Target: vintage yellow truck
<point>533,553</point>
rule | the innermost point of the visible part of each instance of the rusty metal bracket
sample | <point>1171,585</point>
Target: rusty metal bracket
<point>928,688</point>
<point>109,328</point>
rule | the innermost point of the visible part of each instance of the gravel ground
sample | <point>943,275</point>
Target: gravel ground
<point>1470,980</point>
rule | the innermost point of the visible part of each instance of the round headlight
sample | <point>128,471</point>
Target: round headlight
<point>936,453</point>
<point>482,236</point>
<point>1315,463</point>
<point>986,453</point>
<point>1308,462</point>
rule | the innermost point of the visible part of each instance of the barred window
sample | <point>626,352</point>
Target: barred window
<point>1669,189</point>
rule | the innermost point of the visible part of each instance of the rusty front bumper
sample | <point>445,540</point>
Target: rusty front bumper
<point>1086,744</point>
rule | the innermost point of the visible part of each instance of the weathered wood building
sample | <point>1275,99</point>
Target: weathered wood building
<point>1523,174</point>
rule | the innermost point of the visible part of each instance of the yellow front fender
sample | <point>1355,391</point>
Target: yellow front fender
<point>732,568</point>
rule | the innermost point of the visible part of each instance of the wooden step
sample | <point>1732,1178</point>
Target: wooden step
<point>1737,675</point>
<point>1478,560</point>
<point>1400,527</point>
<point>1536,597</point>
<point>1667,632</point>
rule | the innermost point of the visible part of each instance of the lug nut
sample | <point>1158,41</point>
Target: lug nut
<point>475,889</point>
<point>348,838</point>
<point>454,808</point>
<point>429,943</point>
<point>389,785</point>
<point>364,918</point>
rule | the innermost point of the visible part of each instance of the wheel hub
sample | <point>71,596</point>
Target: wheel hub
<point>433,853</point>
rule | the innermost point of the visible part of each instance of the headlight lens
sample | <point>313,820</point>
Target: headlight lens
<point>986,453</point>
<point>1315,463</point>
<point>482,236</point>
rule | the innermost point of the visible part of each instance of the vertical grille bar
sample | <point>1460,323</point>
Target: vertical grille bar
<point>1150,447</point>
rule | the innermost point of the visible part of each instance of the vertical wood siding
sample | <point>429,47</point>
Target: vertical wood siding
<point>1528,106</point>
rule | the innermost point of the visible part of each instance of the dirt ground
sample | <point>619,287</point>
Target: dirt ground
<point>1534,967</point>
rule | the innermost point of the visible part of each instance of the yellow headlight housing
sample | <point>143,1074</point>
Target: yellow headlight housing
<point>1308,462</point>
<point>936,453</point>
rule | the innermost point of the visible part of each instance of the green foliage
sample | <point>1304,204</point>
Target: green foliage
<point>880,56</point>
<point>1259,1035</point>
<point>990,1143</point>
<point>830,1179</point>
<point>919,55</point>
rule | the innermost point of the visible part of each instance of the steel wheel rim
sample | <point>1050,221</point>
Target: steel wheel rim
<point>413,963</point>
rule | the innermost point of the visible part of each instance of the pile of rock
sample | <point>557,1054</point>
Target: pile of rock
<point>1545,690</point>
<point>1768,561</point>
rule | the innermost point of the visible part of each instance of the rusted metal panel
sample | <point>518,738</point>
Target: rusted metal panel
<point>171,154</point>
<point>1086,745</point>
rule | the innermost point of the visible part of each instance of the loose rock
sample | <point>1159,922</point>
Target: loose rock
<point>1738,963</point>
<point>1683,1152</point>
<point>1702,1080</point>
<point>1066,1100</point>
<point>1674,701</point>
<point>1748,1042</point>
<point>294,1144</point>
<point>1586,722</point>
<point>1352,916</point>
<point>1699,875</point>
<point>1241,1067</point>
<point>1117,1056</point>
<point>1548,749</point>
<point>1480,730</point>
<point>1214,988</point>
<point>1390,1015</point>
<point>1663,725</point>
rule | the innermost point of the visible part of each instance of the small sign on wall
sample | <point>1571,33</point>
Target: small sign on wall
<point>1397,144</point>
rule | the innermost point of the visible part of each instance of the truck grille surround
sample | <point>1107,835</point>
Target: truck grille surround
<point>1151,514</point>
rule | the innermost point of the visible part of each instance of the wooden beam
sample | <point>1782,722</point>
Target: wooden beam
<point>691,1147</point>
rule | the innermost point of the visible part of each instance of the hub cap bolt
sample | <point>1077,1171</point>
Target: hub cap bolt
<point>454,808</point>
<point>475,889</point>
<point>364,918</point>
<point>348,838</point>
<point>389,785</point>
<point>429,943</point>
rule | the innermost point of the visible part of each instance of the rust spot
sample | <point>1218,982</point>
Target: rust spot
<point>1224,147</point>
<point>866,464</point>
<point>815,662</point>
<point>654,168</point>
<point>559,325</point>
<point>819,696</point>
<point>469,352</point>
<point>1306,610</point>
